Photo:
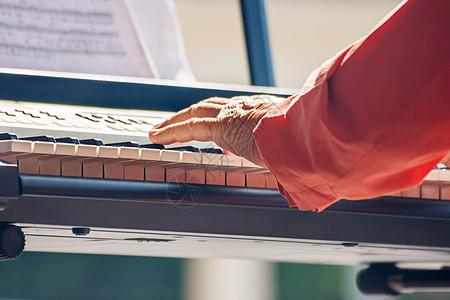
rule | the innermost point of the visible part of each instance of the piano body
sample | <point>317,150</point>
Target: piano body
<point>92,198</point>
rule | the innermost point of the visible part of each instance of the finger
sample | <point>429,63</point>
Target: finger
<point>199,129</point>
<point>199,110</point>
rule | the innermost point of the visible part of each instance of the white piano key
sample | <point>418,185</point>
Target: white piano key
<point>196,176</point>
<point>45,148</point>
<point>93,168</point>
<point>12,147</point>
<point>236,178</point>
<point>49,166</point>
<point>215,177</point>
<point>433,175</point>
<point>231,165</point>
<point>193,158</point>
<point>28,164</point>
<point>430,190</point>
<point>113,170</point>
<point>271,181</point>
<point>195,171</point>
<point>66,149</point>
<point>430,187</point>
<point>256,180</point>
<point>395,194</point>
<point>212,164</point>
<point>211,159</point>
<point>134,172</point>
<point>129,153</point>
<point>411,193</point>
<point>248,164</point>
<point>154,173</point>
<point>84,151</point>
<point>171,156</point>
<point>108,152</point>
<point>444,192</point>
<point>444,175</point>
<point>150,154</point>
<point>71,167</point>
<point>175,174</point>
<point>231,160</point>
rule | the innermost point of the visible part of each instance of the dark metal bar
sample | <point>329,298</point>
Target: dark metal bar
<point>181,193</point>
<point>257,41</point>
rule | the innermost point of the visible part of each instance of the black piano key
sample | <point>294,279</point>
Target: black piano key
<point>184,148</point>
<point>125,144</point>
<point>95,142</point>
<point>40,138</point>
<point>68,140</point>
<point>153,146</point>
<point>211,150</point>
<point>8,136</point>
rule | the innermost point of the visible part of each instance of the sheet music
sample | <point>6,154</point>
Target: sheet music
<point>86,36</point>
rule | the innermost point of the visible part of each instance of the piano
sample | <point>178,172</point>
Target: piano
<point>79,175</point>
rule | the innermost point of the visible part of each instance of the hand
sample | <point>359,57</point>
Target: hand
<point>227,122</point>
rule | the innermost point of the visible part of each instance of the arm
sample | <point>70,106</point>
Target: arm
<point>370,121</point>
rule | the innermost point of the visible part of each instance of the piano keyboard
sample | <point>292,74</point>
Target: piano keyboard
<point>113,145</point>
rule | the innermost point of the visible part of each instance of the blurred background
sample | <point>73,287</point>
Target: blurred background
<point>303,34</point>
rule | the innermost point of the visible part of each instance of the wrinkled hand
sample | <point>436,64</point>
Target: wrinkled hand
<point>227,122</point>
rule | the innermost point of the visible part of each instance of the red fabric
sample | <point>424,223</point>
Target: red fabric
<point>372,120</point>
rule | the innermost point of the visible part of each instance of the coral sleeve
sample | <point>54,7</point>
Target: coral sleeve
<point>370,121</point>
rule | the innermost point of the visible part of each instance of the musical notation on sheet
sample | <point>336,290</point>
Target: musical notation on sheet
<point>87,36</point>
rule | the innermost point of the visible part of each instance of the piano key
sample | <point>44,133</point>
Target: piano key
<point>170,156</point>
<point>73,165</point>
<point>215,177</point>
<point>174,173</point>
<point>153,146</point>
<point>256,180</point>
<point>8,136</point>
<point>184,148</point>
<point>13,147</point>
<point>133,168</point>
<point>10,150</point>
<point>124,144</point>
<point>93,141</point>
<point>412,192</point>
<point>211,150</point>
<point>153,171</point>
<point>134,172</point>
<point>195,172</point>
<point>68,140</point>
<point>235,175</point>
<point>444,181</point>
<point>40,138</point>
<point>430,188</point>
